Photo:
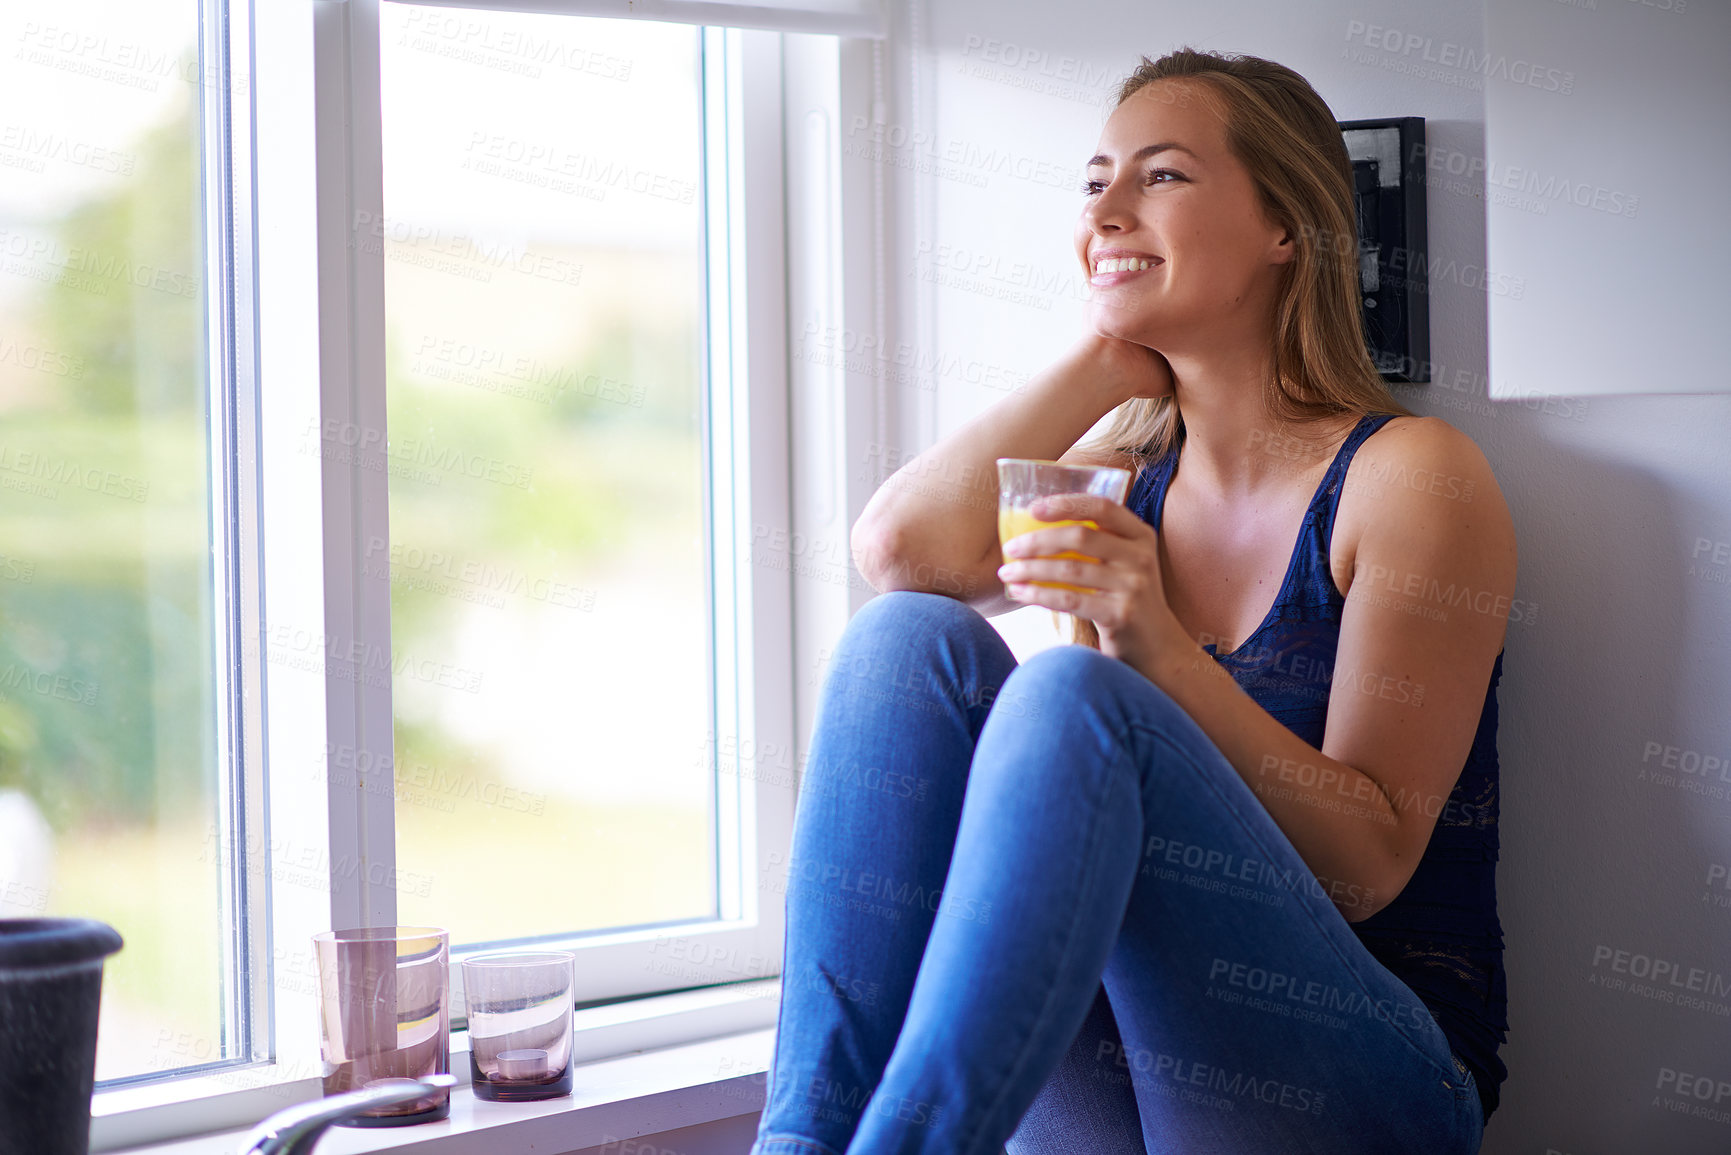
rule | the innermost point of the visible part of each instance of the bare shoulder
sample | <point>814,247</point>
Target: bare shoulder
<point>1420,477</point>
<point>1424,455</point>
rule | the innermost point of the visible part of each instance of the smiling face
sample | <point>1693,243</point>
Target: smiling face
<point>1179,253</point>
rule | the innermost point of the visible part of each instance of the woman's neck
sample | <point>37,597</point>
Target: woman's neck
<point>1233,446</point>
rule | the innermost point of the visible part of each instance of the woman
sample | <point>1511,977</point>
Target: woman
<point>1222,878</point>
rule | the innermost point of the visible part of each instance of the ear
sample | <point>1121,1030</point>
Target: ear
<point>1282,251</point>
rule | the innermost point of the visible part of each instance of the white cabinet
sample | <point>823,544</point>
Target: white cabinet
<point>1608,196</point>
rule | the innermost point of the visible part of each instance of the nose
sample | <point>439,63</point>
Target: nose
<point>1109,210</point>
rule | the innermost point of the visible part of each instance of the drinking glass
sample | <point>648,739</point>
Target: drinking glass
<point>384,1013</point>
<point>1023,481</point>
<point>519,1008</point>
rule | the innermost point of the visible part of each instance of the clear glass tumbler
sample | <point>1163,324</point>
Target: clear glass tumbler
<point>385,1013</point>
<point>1023,481</point>
<point>519,1008</point>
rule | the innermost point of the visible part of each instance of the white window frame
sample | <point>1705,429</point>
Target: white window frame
<point>308,309</point>
<point>750,604</point>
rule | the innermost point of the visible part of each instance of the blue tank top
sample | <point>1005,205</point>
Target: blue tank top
<point>1440,935</point>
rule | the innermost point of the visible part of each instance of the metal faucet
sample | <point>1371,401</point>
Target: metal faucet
<point>294,1130</point>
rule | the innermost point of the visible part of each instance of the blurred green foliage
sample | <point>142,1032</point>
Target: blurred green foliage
<point>120,596</point>
<point>105,650</point>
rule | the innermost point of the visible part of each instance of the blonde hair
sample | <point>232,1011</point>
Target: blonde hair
<point>1286,136</point>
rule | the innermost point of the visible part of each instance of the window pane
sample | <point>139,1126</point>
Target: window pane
<point>108,767</point>
<point>542,246</point>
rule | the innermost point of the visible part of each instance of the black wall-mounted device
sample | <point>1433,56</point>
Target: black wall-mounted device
<point>1388,169</point>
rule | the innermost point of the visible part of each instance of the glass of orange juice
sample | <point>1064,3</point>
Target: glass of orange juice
<point>1023,481</point>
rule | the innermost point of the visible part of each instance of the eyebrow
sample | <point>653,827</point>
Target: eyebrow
<point>1146,150</point>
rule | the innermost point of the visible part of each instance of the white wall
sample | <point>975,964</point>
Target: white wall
<point>1621,504</point>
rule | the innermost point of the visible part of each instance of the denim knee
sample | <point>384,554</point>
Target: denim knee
<point>909,618</point>
<point>1078,675</point>
<point>911,607</point>
<point>1079,672</point>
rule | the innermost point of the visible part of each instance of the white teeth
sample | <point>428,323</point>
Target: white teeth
<point>1121,264</point>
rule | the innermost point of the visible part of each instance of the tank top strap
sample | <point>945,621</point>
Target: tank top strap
<point>1148,489</point>
<point>1326,500</point>
<point>1147,497</point>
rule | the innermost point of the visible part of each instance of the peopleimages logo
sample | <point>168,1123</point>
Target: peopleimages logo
<point>1522,179</point>
<point>1414,47</point>
<point>55,471</point>
<point>1037,60</point>
<point>47,146</point>
<point>48,685</point>
<point>53,362</point>
<point>1662,971</point>
<point>969,157</point>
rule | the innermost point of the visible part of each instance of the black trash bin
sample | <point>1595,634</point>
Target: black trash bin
<point>50,993</point>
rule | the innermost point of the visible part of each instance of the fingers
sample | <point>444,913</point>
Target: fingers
<point>1061,539</point>
<point>1093,573</point>
<point>1106,608</point>
<point>1083,603</point>
<point>1097,543</point>
<point>1104,577</point>
<point>1108,514</point>
<point>1071,572</point>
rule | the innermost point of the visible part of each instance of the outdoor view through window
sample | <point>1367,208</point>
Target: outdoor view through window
<point>108,762</point>
<point>549,597</point>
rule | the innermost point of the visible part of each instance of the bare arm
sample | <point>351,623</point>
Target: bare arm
<point>932,525</point>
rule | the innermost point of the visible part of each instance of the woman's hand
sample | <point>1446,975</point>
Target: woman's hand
<point>1123,594</point>
<point>1127,369</point>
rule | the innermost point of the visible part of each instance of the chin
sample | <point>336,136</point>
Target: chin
<point>1128,326</point>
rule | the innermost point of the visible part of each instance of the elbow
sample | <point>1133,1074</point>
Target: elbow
<point>876,548</point>
<point>1361,902</point>
<point>890,558</point>
<point>1377,887</point>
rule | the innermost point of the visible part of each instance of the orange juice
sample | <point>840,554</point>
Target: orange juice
<point>1017,521</point>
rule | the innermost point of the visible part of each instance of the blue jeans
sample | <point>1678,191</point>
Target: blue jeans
<point>1017,916</point>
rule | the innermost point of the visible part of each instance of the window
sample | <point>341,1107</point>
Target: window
<point>569,403</point>
<point>397,429</point>
<point>124,522</point>
<point>549,546</point>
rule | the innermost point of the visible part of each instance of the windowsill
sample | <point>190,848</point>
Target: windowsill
<point>644,1066</point>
